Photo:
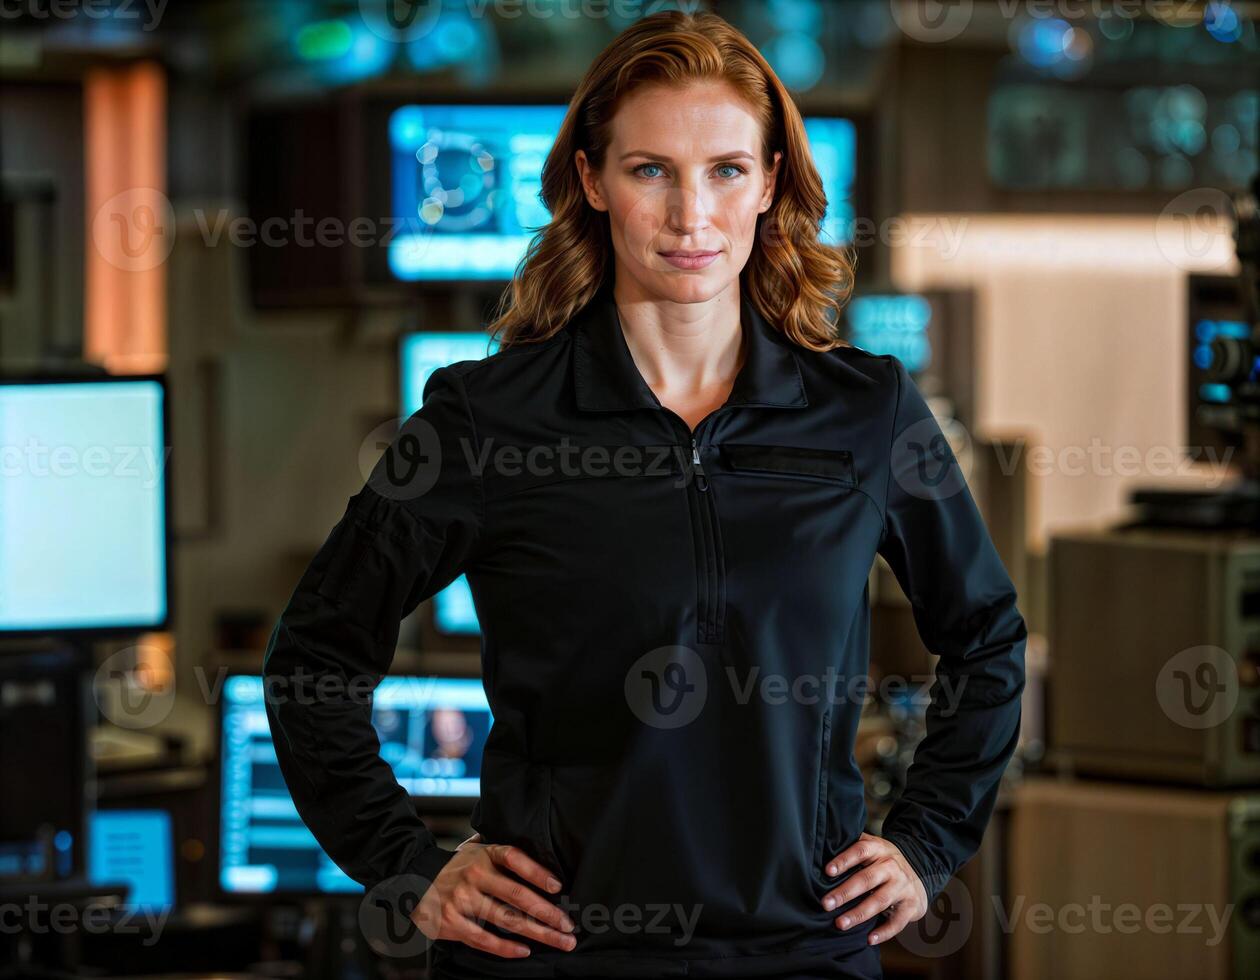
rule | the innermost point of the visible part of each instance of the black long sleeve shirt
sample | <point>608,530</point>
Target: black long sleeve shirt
<point>674,625</point>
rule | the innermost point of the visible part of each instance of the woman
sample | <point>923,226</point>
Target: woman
<point>667,491</point>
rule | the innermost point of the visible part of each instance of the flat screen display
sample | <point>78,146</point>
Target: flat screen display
<point>421,355</point>
<point>83,521</point>
<point>136,847</point>
<point>432,732</point>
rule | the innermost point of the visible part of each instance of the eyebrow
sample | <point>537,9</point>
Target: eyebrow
<point>660,156</point>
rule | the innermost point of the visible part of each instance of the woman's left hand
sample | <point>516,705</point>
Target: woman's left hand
<point>887,876</point>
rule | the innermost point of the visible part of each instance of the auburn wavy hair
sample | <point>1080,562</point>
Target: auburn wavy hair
<point>796,282</point>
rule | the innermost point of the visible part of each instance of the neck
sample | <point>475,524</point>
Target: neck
<point>682,348</point>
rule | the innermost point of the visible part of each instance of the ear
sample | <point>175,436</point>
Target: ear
<point>590,181</point>
<point>768,197</point>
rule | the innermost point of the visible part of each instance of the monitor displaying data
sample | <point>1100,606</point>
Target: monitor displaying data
<point>432,732</point>
<point>465,183</point>
<point>833,143</point>
<point>1217,310</point>
<point>465,187</point>
<point>897,324</point>
<point>136,847</point>
<point>421,354</point>
<point>83,535</point>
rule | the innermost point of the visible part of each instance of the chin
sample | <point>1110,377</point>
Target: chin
<point>690,287</point>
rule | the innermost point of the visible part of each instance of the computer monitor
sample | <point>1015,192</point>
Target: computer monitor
<point>466,182</point>
<point>420,354</point>
<point>1216,308</point>
<point>931,332</point>
<point>46,708</point>
<point>432,732</point>
<point>833,141</point>
<point>892,323</point>
<point>83,505</point>
<point>136,847</point>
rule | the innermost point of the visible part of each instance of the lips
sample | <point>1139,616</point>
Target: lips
<point>689,259</point>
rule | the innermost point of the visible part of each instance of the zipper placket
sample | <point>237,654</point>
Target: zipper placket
<point>706,535</point>
<point>710,561</point>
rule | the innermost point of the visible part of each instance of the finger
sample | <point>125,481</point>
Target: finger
<point>513,920</point>
<point>858,883</point>
<point>873,904</point>
<point>900,918</point>
<point>514,859</point>
<point>471,934</point>
<point>524,898</point>
<point>866,848</point>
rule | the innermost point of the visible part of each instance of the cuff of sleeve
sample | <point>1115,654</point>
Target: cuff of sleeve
<point>405,889</point>
<point>934,881</point>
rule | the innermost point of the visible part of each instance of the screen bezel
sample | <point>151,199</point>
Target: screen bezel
<point>119,629</point>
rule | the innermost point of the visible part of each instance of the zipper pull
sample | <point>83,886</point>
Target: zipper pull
<point>702,483</point>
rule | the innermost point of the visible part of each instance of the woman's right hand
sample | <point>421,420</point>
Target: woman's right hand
<point>473,887</point>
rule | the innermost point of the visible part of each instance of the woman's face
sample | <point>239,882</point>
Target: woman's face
<point>683,184</point>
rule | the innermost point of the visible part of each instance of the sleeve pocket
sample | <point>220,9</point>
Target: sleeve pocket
<point>364,576</point>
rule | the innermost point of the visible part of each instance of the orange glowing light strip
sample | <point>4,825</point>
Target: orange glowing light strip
<point>130,226</point>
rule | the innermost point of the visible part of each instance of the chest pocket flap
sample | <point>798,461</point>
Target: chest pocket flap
<point>834,465</point>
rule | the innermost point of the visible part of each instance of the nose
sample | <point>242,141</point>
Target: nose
<point>686,209</point>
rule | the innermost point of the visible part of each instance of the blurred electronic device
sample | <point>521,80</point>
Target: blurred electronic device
<point>409,195</point>
<point>1216,309</point>
<point>432,731</point>
<point>1154,642</point>
<point>465,182</point>
<point>187,795</point>
<point>1117,880</point>
<point>454,615</point>
<point>45,702</point>
<point>931,332</point>
<point>422,353</point>
<point>1224,389</point>
<point>84,536</point>
<point>833,143</point>
<point>136,847</point>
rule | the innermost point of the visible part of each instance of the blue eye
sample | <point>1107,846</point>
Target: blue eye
<point>641,167</point>
<point>731,166</point>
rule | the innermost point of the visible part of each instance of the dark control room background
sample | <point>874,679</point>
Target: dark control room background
<point>237,237</point>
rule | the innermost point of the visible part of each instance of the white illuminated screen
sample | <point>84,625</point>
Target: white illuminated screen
<point>82,506</point>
